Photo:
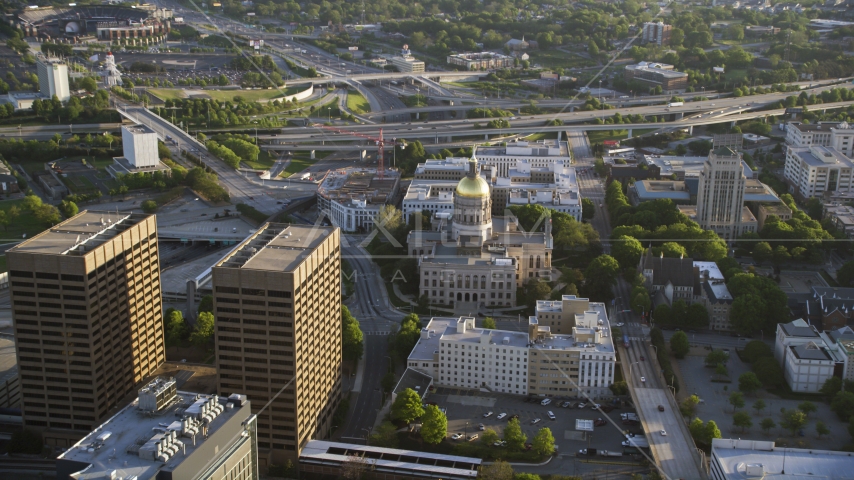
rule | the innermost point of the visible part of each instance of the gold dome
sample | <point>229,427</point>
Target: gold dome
<point>473,187</point>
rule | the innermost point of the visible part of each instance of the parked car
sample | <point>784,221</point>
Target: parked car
<point>600,422</point>
<point>457,436</point>
<point>565,404</point>
<point>473,437</point>
<point>500,443</point>
<point>546,401</point>
<point>551,415</point>
<point>582,405</point>
<point>487,414</point>
<point>536,421</point>
<point>595,406</point>
<point>643,379</point>
<point>501,416</point>
<point>529,446</point>
<point>481,427</point>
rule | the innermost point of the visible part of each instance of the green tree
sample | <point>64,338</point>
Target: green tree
<point>407,406</point>
<point>716,357</point>
<point>385,435</point>
<point>513,435</point>
<point>758,405</point>
<point>527,476</point>
<point>697,430</point>
<point>68,208</point>
<point>762,252</point>
<point>679,344</point>
<point>351,336</point>
<point>434,425</point>
<point>592,49</point>
<point>712,432</point>
<point>688,407</point>
<point>742,419</point>
<point>793,420</point>
<point>746,314</point>
<point>499,470</point>
<point>767,424</point>
<point>149,206</point>
<point>748,383</point>
<point>488,437</point>
<point>204,330</point>
<point>754,350</point>
<point>544,442</point>
<point>640,300</point>
<point>627,250</point>
<point>599,276</point>
<point>736,399</point>
<point>769,372</point>
<point>845,274</point>
<point>588,209</point>
<point>175,328</point>
<point>206,304</point>
<point>843,404</point>
<point>721,370</point>
<point>807,407</point>
<point>489,323</point>
<point>821,429</point>
<point>388,382</point>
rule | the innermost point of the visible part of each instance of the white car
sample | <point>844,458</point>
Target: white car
<point>595,406</point>
<point>620,324</point>
<point>535,421</point>
<point>643,379</point>
<point>582,405</point>
<point>501,416</point>
<point>487,414</point>
<point>663,433</point>
<point>546,402</point>
<point>457,436</point>
<point>481,427</point>
<point>551,415</point>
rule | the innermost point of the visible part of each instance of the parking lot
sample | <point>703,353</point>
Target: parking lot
<point>465,410</point>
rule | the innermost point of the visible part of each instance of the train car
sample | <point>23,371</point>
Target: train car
<point>626,340</point>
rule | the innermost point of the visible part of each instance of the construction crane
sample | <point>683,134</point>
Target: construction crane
<point>379,141</point>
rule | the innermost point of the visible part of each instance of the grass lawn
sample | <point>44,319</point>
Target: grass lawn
<point>558,58</point>
<point>541,136</point>
<point>24,224</point>
<point>600,135</point>
<point>301,161</point>
<point>357,103</point>
<point>735,74</point>
<point>265,161</point>
<point>327,110</point>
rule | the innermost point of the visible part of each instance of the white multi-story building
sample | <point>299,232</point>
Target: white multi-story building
<point>842,340</point>
<point>540,154</point>
<point>434,196</point>
<point>837,135</point>
<point>456,353</point>
<point>553,186</point>
<point>53,78</point>
<point>139,143</point>
<point>807,366</point>
<point>811,171</point>
<point>352,198</point>
<point>796,332</point>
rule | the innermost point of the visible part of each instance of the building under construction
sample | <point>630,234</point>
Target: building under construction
<point>352,198</point>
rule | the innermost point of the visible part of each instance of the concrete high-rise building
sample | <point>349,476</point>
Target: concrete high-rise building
<point>277,300</point>
<point>720,196</point>
<point>53,78</point>
<point>88,318</point>
<point>169,435</point>
<point>658,33</point>
<point>139,144</point>
<point>816,171</point>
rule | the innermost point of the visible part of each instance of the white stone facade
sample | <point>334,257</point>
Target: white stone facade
<point>811,171</point>
<point>139,144</point>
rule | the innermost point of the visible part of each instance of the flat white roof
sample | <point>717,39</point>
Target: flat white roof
<point>734,456</point>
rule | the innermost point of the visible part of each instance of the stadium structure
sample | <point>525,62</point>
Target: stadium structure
<point>141,25</point>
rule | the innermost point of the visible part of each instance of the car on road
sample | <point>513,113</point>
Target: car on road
<point>661,408</point>
<point>457,436</point>
<point>642,358</point>
<point>487,414</point>
<point>481,427</point>
<point>643,379</point>
<point>501,416</point>
<point>551,415</point>
<point>536,421</point>
<point>546,402</point>
<point>663,433</point>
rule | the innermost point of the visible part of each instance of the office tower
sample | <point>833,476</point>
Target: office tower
<point>658,33</point>
<point>277,300</point>
<point>53,78</point>
<point>720,196</point>
<point>169,435</point>
<point>139,144</point>
<point>87,316</point>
